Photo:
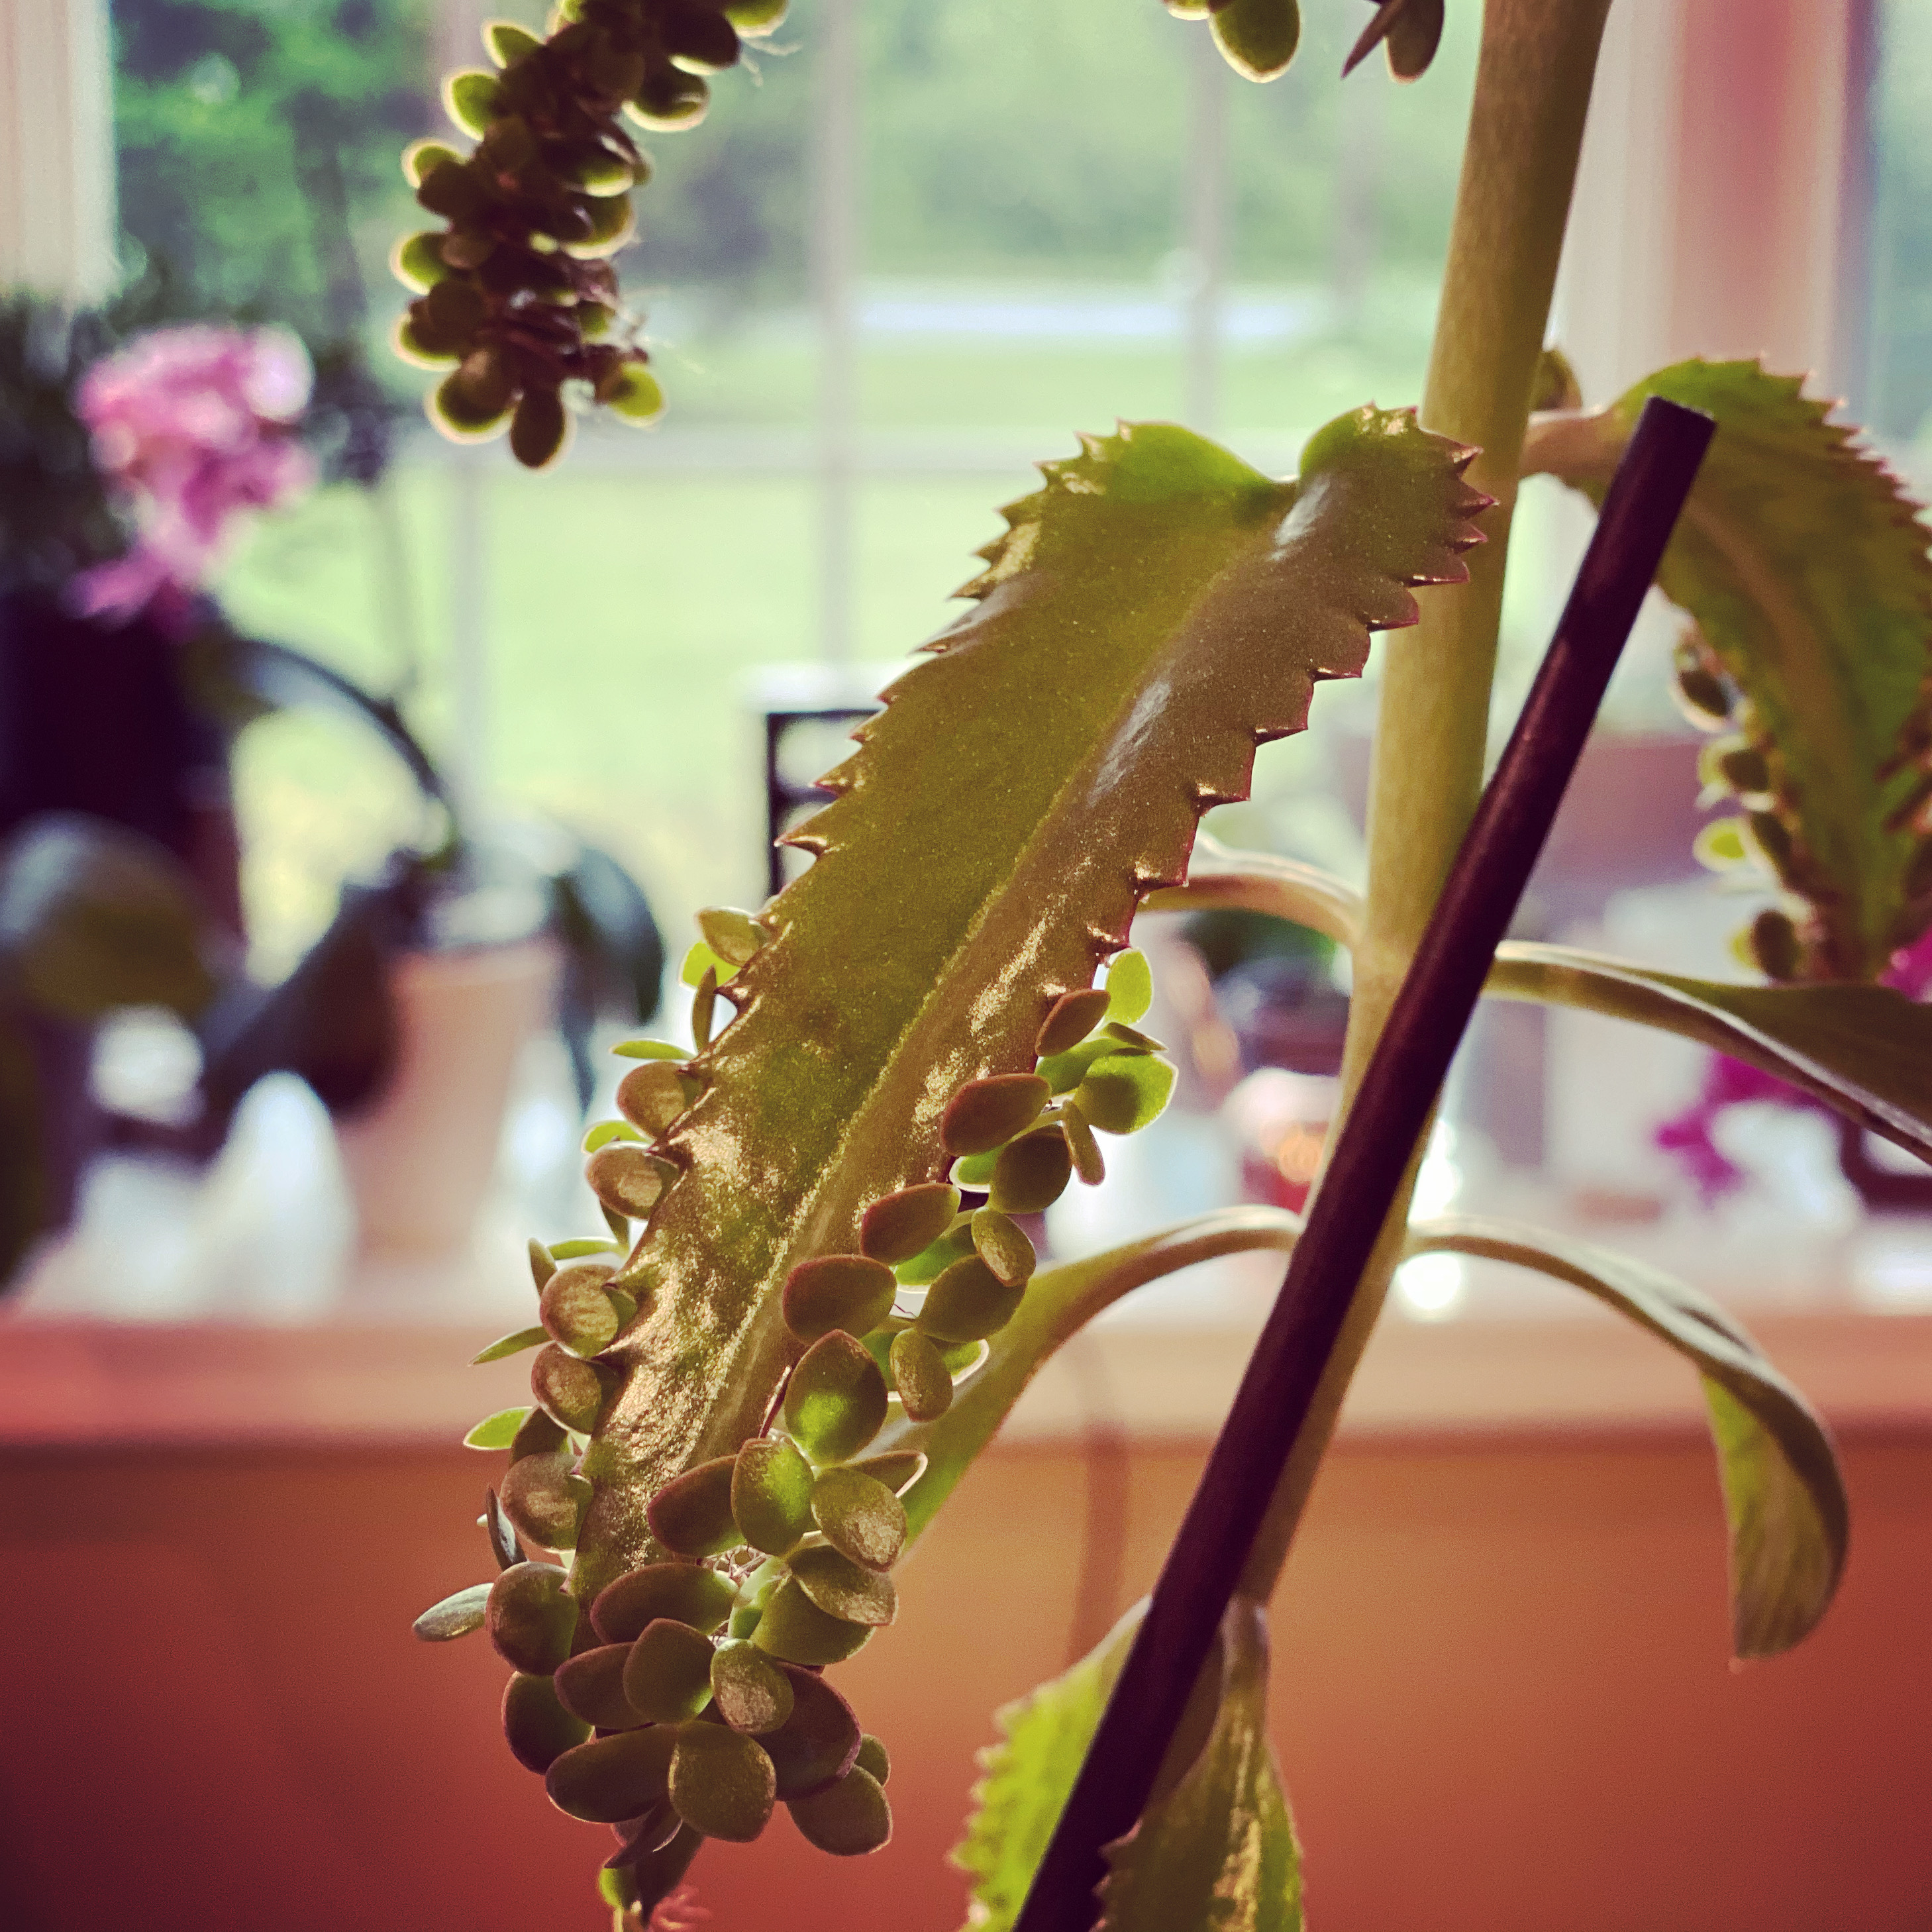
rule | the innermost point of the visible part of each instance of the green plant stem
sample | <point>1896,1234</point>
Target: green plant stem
<point>1532,90</point>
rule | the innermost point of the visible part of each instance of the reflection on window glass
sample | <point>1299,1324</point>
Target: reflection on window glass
<point>1900,374</point>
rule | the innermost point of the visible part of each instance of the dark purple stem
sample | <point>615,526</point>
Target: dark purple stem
<point>1372,1154</point>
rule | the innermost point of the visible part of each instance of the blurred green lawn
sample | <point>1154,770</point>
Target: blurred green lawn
<point>624,611</point>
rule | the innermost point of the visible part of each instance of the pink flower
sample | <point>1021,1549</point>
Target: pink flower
<point>1730,1083</point>
<point>192,424</point>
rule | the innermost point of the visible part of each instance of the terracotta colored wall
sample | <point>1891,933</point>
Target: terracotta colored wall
<point>1500,1697</point>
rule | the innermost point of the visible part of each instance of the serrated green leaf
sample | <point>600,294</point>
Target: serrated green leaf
<point>1803,561</point>
<point>907,962</point>
<point>455,1616</point>
<point>1784,1496</point>
<point>511,1345</point>
<point>497,1432</point>
<point>1219,1852</point>
<point>1865,1052</point>
<point>1044,1735</point>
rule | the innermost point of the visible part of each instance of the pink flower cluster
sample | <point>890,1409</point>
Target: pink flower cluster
<point>1730,1083</point>
<point>192,425</point>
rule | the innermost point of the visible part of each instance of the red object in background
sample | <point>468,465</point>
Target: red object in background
<point>1281,1121</point>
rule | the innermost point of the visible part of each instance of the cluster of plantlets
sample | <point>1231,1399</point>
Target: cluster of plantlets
<point>1154,613</point>
<point>692,1704</point>
<point>1831,759</point>
<point>516,296</point>
<point>1258,38</point>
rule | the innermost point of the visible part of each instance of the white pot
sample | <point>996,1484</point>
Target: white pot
<point>419,1158</point>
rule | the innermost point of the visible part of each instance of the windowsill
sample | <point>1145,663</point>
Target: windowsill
<point>386,1369</point>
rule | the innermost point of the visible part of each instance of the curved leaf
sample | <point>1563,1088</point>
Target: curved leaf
<point>1290,889</point>
<point>1784,1496</point>
<point>1154,613</point>
<point>1804,563</point>
<point>1865,1052</point>
<point>1217,1853</point>
<point>1058,1302</point>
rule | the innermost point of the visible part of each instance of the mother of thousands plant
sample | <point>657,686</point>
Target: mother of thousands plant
<point>814,1305</point>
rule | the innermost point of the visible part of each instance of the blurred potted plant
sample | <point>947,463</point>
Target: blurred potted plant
<point>124,472</point>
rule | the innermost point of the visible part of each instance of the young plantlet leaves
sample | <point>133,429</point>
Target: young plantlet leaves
<point>904,1224</point>
<point>732,936</point>
<point>1124,1092</point>
<point>702,959</point>
<point>818,1743</point>
<point>650,1049</point>
<point>511,1345</point>
<point>703,1008</point>
<point>752,1693</point>
<point>540,1435</point>
<point>861,1515</point>
<point>503,1544</point>
<point>919,1376</point>
<point>576,1308</point>
<point>1065,1071</point>
<point>1129,987</point>
<point>771,1495</point>
<point>1072,1018</point>
<point>1002,1244</point>
<point>930,1263</point>
<point>836,1399</point>
<point>986,1114</point>
<point>848,1818</point>
<point>1032,1173</point>
<point>1084,751</point>
<point>643,1836</point>
<point>1081,1147</point>
<point>968,1302</point>
<point>1258,38</point>
<point>539,1729</point>
<point>603,1132</point>
<point>611,1779</point>
<point>532,1617</point>
<point>629,1179</point>
<point>591,1684</point>
<point>873,1758</point>
<point>691,1514</point>
<point>975,1172</point>
<point>570,1391</point>
<point>497,1432</point>
<point>454,1616</point>
<point>652,1096</point>
<point>666,1675</point>
<point>688,1593</point>
<point>831,1291</point>
<point>576,1250</point>
<point>795,1629</point>
<point>843,1588</point>
<point>544,1498</point>
<point>722,1782</point>
<point>543,1263</point>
